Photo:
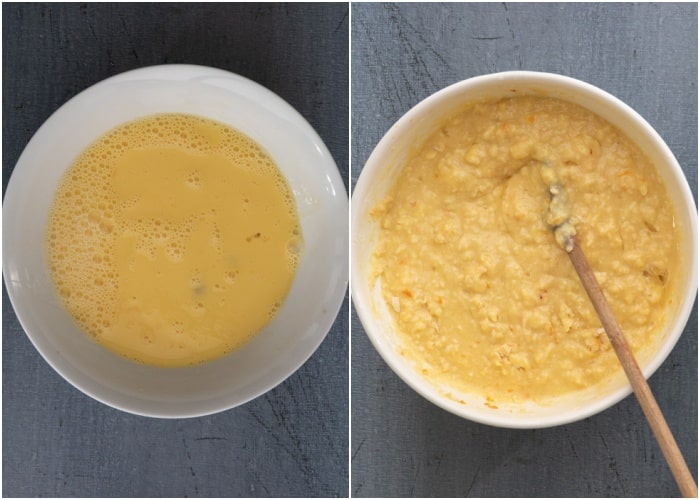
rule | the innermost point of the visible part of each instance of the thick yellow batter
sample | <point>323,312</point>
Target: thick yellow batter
<point>483,297</point>
<point>173,240</point>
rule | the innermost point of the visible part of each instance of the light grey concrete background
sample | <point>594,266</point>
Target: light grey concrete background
<point>57,442</point>
<point>646,55</point>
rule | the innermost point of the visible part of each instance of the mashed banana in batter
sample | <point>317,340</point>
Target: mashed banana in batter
<point>483,297</point>
<point>173,240</point>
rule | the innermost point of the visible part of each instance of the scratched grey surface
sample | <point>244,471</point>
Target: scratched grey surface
<point>647,56</point>
<point>292,441</point>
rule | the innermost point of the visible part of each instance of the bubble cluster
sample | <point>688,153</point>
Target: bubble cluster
<point>295,247</point>
<point>274,309</point>
<point>154,234</point>
<point>80,228</point>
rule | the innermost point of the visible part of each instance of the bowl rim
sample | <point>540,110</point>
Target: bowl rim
<point>363,303</point>
<point>337,202</point>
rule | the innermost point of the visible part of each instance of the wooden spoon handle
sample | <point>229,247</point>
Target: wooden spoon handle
<point>651,409</point>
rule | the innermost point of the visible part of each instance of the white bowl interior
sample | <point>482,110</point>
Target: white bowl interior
<point>387,160</point>
<point>316,294</point>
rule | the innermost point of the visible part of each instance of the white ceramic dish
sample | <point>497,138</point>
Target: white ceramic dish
<point>388,158</point>
<point>316,294</point>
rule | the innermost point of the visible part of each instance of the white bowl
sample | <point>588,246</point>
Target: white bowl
<point>316,294</point>
<point>381,170</point>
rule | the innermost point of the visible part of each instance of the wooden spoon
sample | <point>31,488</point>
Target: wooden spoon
<point>558,218</point>
<point>651,409</point>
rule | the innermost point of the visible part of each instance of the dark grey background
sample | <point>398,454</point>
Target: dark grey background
<point>645,55</point>
<point>293,441</point>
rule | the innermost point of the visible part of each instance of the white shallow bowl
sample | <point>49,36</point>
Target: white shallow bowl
<point>316,294</point>
<point>380,172</point>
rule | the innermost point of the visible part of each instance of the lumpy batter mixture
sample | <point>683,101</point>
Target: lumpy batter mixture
<point>173,240</point>
<point>483,296</point>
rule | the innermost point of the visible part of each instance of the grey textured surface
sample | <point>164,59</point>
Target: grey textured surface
<point>57,442</point>
<point>646,55</point>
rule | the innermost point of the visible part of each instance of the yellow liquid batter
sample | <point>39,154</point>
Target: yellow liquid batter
<point>173,240</point>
